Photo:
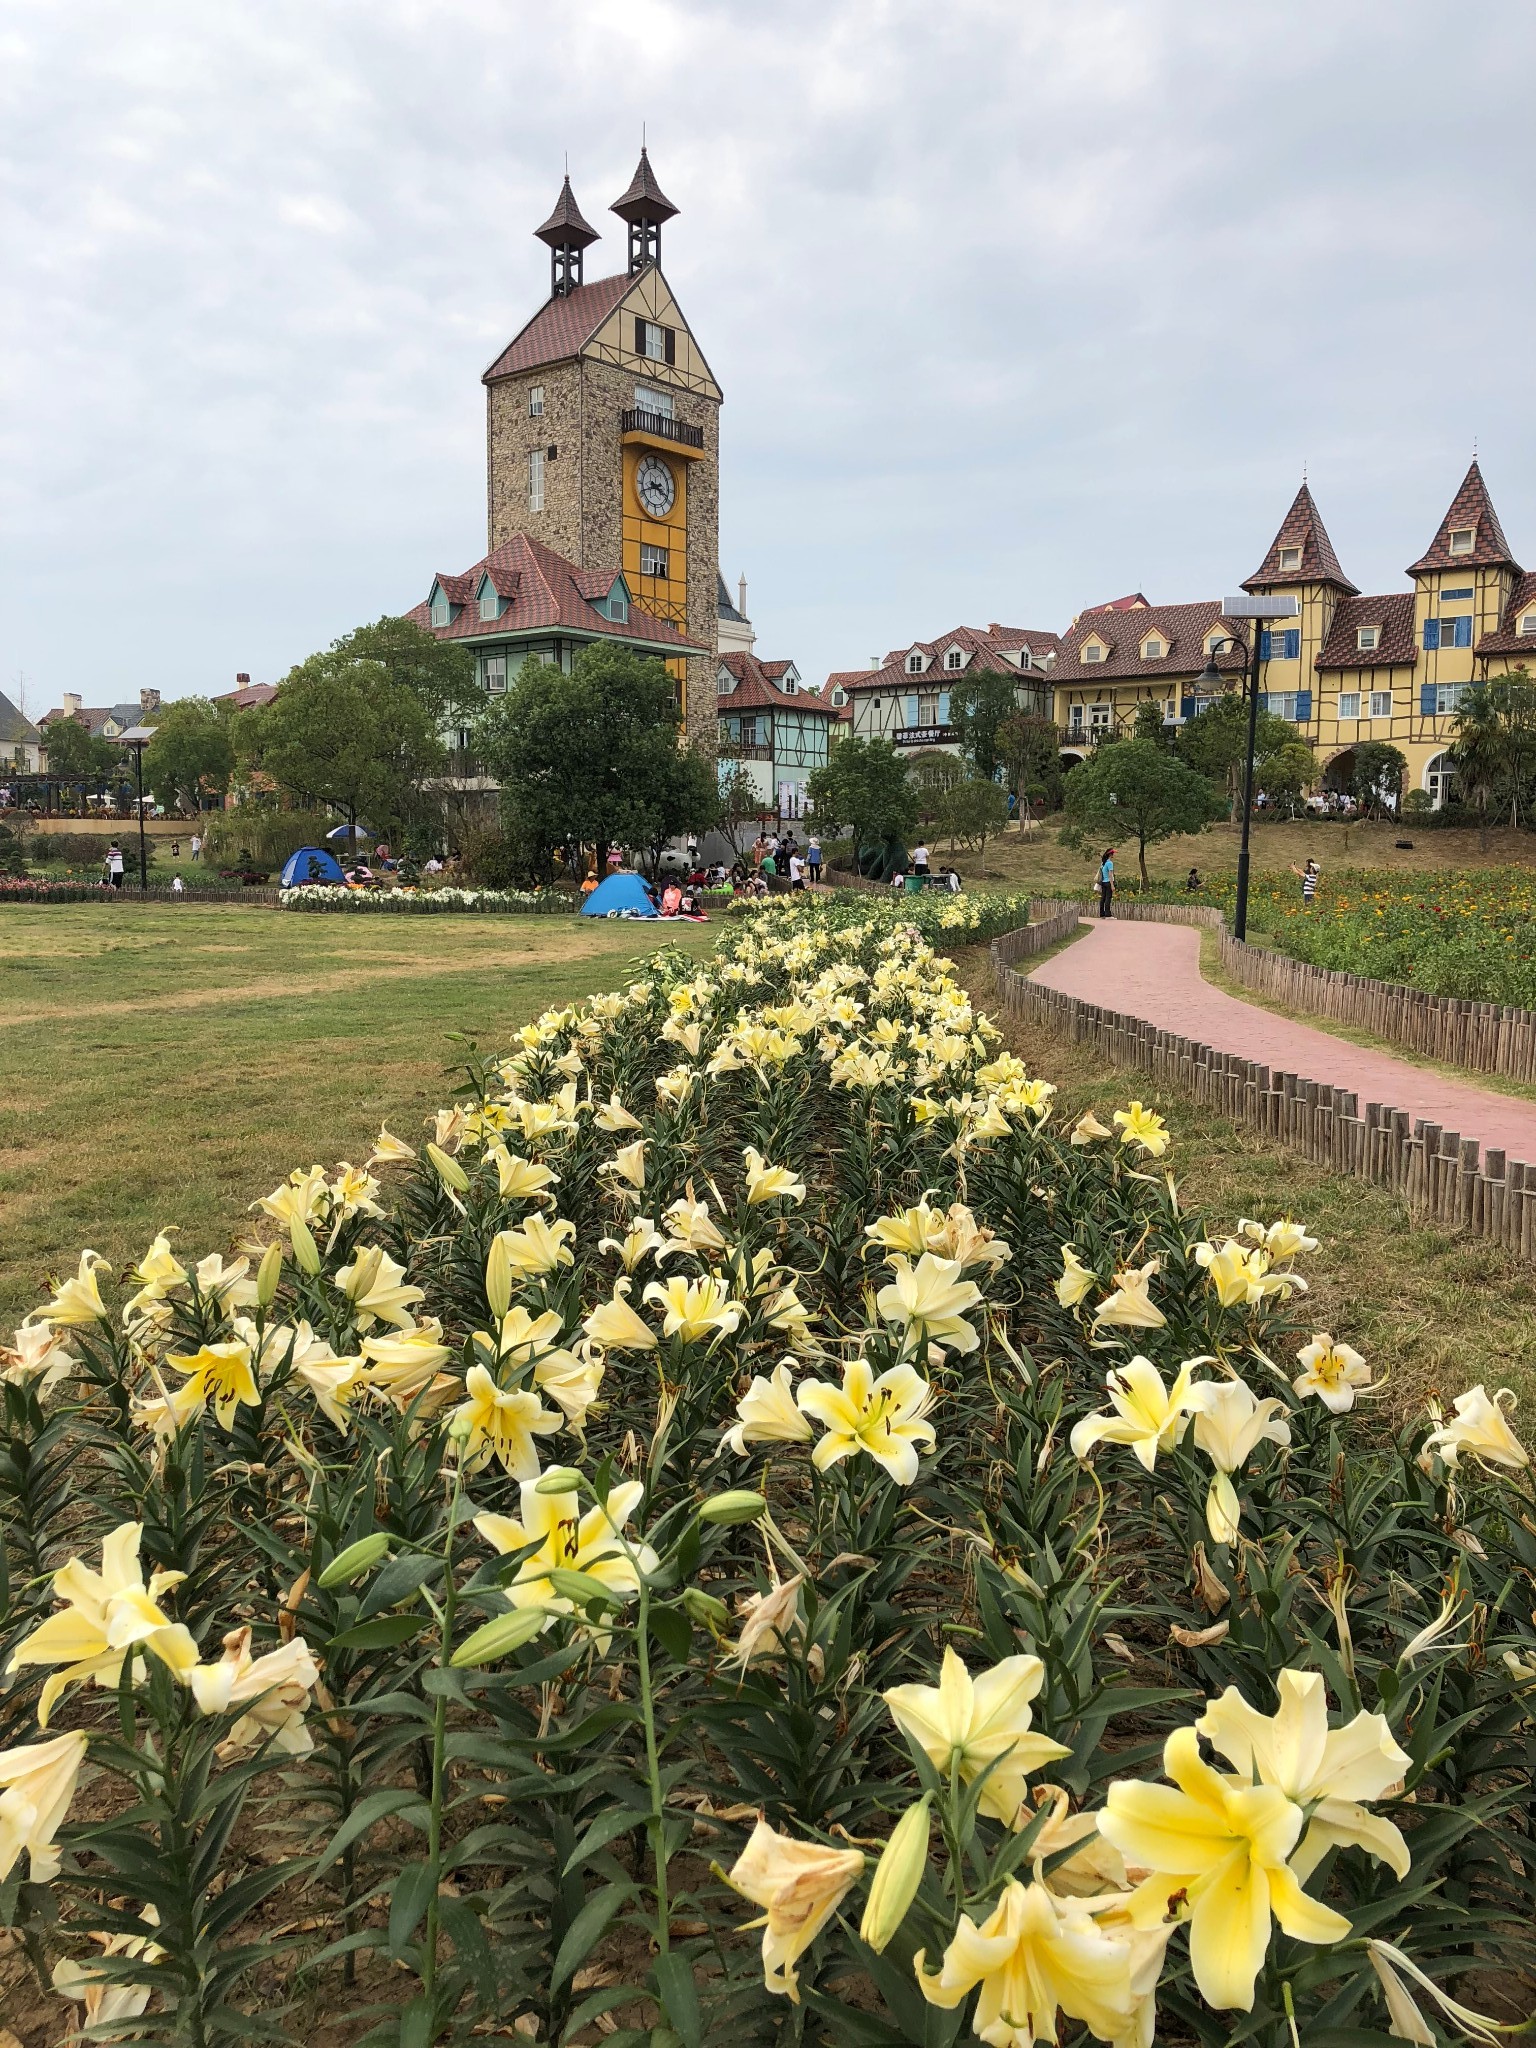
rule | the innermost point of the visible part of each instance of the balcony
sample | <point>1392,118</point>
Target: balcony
<point>744,750</point>
<point>925,736</point>
<point>655,429</point>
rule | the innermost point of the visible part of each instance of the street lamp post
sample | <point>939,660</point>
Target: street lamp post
<point>138,738</point>
<point>1254,609</point>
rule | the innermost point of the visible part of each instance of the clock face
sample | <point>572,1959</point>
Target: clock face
<point>654,486</point>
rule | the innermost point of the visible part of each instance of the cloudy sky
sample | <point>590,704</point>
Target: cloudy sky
<point>1017,304</point>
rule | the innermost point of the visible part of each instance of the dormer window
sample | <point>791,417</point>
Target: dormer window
<point>1026,659</point>
<point>1367,639</point>
<point>725,682</point>
<point>954,658</point>
<point>1462,538</point>
<point>840,695</point>
<point>616,604</point>
<point>915,663</point>
<point>490,601</point>
<point>1290,558</point>
<point>1153,648</point>
<point>439,610</point>
<point>789,686</point>
<point>1217,643</point>
<point>1093,650</point>
<point>1528,626</point>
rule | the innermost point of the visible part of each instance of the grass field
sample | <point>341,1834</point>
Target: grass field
<point>168,1066</point>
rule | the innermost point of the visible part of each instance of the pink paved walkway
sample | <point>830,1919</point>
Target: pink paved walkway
<point>1152,971</point>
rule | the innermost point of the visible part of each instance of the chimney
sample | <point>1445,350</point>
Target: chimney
<point>741,595</point>
<point>242,680</point>
<point>71,703</point>
<point>994,629</point>
<point>149,703</point>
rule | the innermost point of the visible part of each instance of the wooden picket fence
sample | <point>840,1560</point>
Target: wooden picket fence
<point>1438,1173</point>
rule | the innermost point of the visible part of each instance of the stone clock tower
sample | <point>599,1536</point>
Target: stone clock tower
<point>603,431</point>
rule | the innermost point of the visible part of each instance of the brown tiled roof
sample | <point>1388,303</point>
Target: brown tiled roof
<point>560,329</point>
<point>986,650</point>
<point>644,200</point>
<point>757,685</point>
<point>1182,628</point>
<point>1505,639</point>
<point>565,226</point>
<point>249,697</point>
<point>1394,615</point>
<point>1302,527</point>
<point>1472,507</point>
<point>93,718</point>
<point>547,592</point>
<point>1130,603</point>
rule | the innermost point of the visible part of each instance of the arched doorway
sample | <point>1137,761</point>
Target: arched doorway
<point>1339,775</point>
<point>1439,780</point>
<point>1071,757</point>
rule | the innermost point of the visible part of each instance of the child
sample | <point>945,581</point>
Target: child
<point>1309,877</point>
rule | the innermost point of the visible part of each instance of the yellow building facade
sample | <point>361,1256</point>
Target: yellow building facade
<point>1350,667</point>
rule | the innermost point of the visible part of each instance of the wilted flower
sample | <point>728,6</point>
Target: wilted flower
<point>1130,1306</point>
<point>931,1299</point>
<point>800,1885</point>
<point>966,1724</point>
<point>1147,1415</point>
<point>106,1999</point>
<point>1481,1428</point>
<point>1088,1130</point>
<point>1076,1280</point>
<point>883,1416</point>
<point>1332,1371</point>
<point>613,1116</point>
<point>37,1783</point>
<point>690,1228</point>
<point>37,1352</point>
<point>628,1163</point>
<point>768,1415</point>
<point>1034,1956</point>
<point>1143,1127</point>
<point>275,1688</point>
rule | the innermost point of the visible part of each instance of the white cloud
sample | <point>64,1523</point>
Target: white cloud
<point>1016,305</point>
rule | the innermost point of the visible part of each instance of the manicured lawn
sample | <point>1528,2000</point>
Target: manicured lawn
<point>167,1066</point>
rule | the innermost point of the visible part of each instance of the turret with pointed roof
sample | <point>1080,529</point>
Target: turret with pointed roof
<point>1471,513</point>
<point>645,207</point>
<point>1301,552</point>
<point>567,235</point>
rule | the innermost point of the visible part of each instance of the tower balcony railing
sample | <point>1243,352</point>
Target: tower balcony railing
<point>635,419</point>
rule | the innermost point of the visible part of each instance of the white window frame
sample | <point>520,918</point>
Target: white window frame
<point>915,664</point>
<point>1449,698</point>
<point>1467,535</point>
<point>440,611</point>
<point>1527,626</point>
<point>1093,652</point>
<point>1153,648</point>
<point>1381,703</point>
<point>495,675</point>
<point>649,551</point>
<point>1367,639</point>
<point>954,659</point>
<point>535,401</point>
<point>1349,703</point>
<point>1075,719</point>
<point>535,479</point>
<point>1100,717</point>
<point>655,338</point>
<point>654,399</point>
<point>1295,559</point>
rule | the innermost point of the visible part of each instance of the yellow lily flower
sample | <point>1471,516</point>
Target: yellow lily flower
<point>519,1179</point>
<point>1143,1127</point>
<point>219,1375</point>
<point>614,1326</point>
<point>1283,1240</point>
<point>1332,1371</point>
<point>572,1383</point>
<point>676,1085</point>
<point>1219,1845</point>
<point>1147,1415</point>
<point>965,1724</point>
<point>494,1423</point>
<point>911,1230</point>
<point>1088,1130</point>
<point>767,1183</point>
<point>883,1417</point>
<point>301,1198</point>
<point>375,1285</point>
<point>788,1314</point>
<point>37,1783</point>
<point>593,1543</point>
<point>1230,1424</point>
<point>1131,1306</point>
<point>628,1163</point>
<point>227,1285</point>
<point>767,1414</point>
<point>1480,1428</point>
<point>931,1300</point>
<point>638,1242</point>
<point>77,1302</point>
<point>694,1309</point>
<point>960,1237</point>
<point>799,1885</point>
<point>409,1363</point>
<point>388,1150</point>
<point>276,1687</point>
<point>1243,1277</point>
<point>156,1275</point>
<point>538,1247</point>
<point>335,1383</point>
<point>1034,1956</point>
<point>1326,1771</point>
<point>613,1116</point>
<point>690,1228</point>
<point>352,1192</point>
<point>106,1615</point>
<point>1076,1280</point>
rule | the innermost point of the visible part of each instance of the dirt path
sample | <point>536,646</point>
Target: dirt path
<point>1152,971</point>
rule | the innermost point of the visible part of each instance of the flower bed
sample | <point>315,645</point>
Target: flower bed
<point>429,902</point>
<point>750,1460</point>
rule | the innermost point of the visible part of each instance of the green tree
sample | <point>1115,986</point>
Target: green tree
<point>934,773</point>
<point>441,673</point>
<point>1376,775</point>
<point>1133,789</point>
<point>342,733</point>
<point>191,757</point>
<point>1030,750</point>
<point>593,757</point>
<point>1494,745</point>
<point>973,812</point>
<point>979,704</point>
<point>76,754</point>
<point>1148,723</point>
<point>741,803</point>
<point>865,786</point>
<point>1215,741</point>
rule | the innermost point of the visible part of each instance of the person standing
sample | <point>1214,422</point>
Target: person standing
<point>796,873</point>
<point>115,865</point>
<point>693,851</point>
<point>197,845</point>
<point>1107,883</point>
<point>1309,877</point>
<point>920,860</point>
<point>813,858</point>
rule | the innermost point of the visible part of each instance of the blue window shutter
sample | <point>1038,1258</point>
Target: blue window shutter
<point>1431,635</point>
<point>912,711</point>
<point>1427,700</point>
<point>1186,707</point>
<point>1293,643</point>
<point>943,707</point>
<point>1464,632</point>
<point>1265,638</point>
<point>1303,707</point>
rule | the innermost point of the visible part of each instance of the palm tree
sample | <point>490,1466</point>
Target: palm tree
<point>1480,753</point>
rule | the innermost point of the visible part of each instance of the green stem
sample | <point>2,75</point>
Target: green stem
<point>653,1768</point>
<point>439,1752</point>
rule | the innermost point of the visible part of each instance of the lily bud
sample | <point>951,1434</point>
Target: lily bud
<point>449,1171</point>
<point>897,1877</point>
<point>580,1587</point>
<point>268,1274</point>
<point>498,1637</point>
<point>559,1479</point>
<point>739,1505</point>
<point>357,1558</point>
<point>705,1609</point>
<point>305,1250</point>
<point>498,1276</point>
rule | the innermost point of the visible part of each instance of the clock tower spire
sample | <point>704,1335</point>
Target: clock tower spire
<point>645,207</point>
<point>567,235</point>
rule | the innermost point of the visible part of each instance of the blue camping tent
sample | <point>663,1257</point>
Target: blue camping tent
<point>622,895</point>
<point>311,864</point>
